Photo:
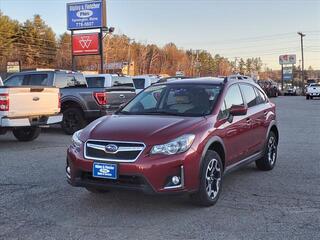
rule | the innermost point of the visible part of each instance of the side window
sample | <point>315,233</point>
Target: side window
<point>14,81</point>
<point>261,98</point>
<point>249,95</point>
<point>69,80</point>
<point>37,79</point>
<point>233,97</point>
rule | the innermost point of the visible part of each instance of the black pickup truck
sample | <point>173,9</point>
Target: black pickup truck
<point>80,104</point>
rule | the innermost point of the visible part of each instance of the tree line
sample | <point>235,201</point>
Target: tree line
<point>36,45</point>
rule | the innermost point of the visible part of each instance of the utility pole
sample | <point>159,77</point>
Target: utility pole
<point>198,64</point>
<point>235,65</point>
<point>129,54</point>
<point>302,57</point>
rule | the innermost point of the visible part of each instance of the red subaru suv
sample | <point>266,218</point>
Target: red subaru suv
<point>179,136</point>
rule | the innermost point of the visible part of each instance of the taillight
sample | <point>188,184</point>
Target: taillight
<point>101,98</point>
<point>4,102</point>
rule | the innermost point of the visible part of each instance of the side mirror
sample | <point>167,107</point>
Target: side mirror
<point>238,110</point>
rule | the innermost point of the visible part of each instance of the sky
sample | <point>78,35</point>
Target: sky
<point>231,28</point>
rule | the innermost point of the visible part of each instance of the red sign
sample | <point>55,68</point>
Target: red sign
<point>85,44</point>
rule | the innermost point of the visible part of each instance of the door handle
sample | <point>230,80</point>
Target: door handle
<point>248,120</point>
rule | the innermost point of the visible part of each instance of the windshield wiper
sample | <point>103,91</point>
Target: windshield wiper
<point>163,113</point>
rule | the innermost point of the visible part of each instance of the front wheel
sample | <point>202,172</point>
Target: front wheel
<point>73,120</point>
<point>269,158</point>
<point>210,180</point>
<point>26,134</point>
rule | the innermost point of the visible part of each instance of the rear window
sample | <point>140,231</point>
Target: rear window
<point>65,80</point>
<point>139,83</point>
<point>95,82</point>
<point>122,82</point>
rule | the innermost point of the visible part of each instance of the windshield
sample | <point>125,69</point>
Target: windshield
<point>180,100</point>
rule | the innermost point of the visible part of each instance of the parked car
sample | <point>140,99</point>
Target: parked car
<point>290,91</point>
<point>24,109</point>
<point>313,90</point>
<point>240,77</point>
<point>79,104</point>
<point>177,137</point>
<point>119,89</point>
<point>269,87</point>
<point>142,82</point>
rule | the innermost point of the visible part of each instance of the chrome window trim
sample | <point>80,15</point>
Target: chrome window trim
<point>124,149</point>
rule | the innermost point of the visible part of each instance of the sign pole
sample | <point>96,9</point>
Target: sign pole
<point>73,65</point>
<point>281,77</point>
<point>101,51</point>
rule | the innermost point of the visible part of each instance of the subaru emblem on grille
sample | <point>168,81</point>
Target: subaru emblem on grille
<point>111,148</point>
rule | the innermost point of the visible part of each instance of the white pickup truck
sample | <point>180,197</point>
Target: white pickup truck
<point>313,90</point>
<point>24,109</point>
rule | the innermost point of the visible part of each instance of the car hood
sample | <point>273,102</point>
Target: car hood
<point>138,128</point>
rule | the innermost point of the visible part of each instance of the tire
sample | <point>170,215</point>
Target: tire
<point>73,120</point>
<point>209,178</point>
<point>96,190</point>
<point>311,97</point>
<point>269,158</point>
<point>26,134</point>
<point>307,97</point>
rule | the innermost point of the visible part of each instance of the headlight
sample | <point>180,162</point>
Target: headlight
<point>178,145</point>
<point>76,142</point>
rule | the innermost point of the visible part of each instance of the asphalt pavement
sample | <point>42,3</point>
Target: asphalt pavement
<point>37,203</point>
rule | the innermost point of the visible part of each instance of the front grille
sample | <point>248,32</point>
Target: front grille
<point>126,151</point>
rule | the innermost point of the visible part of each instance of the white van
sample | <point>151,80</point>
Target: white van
<point>144,81</point>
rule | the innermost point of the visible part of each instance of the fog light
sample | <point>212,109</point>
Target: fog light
<point>175,180</point>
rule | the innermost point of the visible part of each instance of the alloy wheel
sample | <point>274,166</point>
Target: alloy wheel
<point>272,150</point>
<point>213,178</point>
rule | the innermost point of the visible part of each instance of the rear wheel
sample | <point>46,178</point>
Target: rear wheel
<point>73,120</point>
<point>268,161</point>
<point>307,97</point>
<point>210,180</point>
<point>26,134</point>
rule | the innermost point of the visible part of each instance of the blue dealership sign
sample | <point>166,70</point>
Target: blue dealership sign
<point>287,73</point>
<point>85,15</point>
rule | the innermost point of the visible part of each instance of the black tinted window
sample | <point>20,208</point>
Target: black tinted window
<point>249,94</point>
<point>95,82</point>
<point>14,81</point>
<point>139,83</point>
<point>37,80</point>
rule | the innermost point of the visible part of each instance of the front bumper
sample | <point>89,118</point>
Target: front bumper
<point>314,94</point>
<point>32,121</point>
<point>146,175</point>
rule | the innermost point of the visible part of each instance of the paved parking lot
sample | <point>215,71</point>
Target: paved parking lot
<point>37,203</point>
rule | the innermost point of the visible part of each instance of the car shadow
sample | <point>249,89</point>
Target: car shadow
<point>130,200</point>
